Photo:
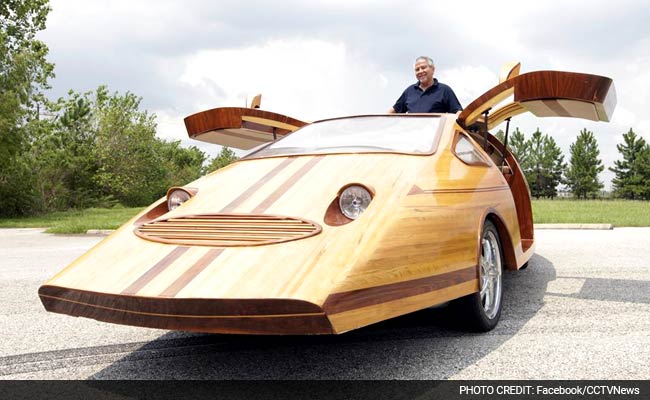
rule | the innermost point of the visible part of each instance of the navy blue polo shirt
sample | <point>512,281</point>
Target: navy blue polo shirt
<point>439,98</point>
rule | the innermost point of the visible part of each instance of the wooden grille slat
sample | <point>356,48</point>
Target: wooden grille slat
<point>239,221</point>
<point>220,236</point>
<point>225,230</point>
<point>234,231</point>
<point>249,226</point>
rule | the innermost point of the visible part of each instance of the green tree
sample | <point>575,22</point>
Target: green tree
<point>519,147</point>
<point>103,150</point>
<point>225,157</point>
<point>629,181</point>
<point>24,72</point>
<point>556,165</point>
<point>134,166</point>
<point>500,135</point>
<point>130,165</point>
<point>643,163</point>
<point>76,165</point>
<point>182,164</point>
<point>545,165</point>
<point>584,166</point>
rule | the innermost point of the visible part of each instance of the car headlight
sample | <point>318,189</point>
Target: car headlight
<point>354,200</point>
<point>176,197</point>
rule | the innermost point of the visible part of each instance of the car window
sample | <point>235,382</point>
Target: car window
<point>366,134</point>
<point>465,150</point>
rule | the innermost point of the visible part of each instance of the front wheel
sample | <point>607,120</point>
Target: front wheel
<point>482,310</point>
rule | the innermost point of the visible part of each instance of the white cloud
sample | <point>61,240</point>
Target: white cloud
<point>170,125</point>
<point>623,117</point>
<point>469,81</point>
<point>305,78</point>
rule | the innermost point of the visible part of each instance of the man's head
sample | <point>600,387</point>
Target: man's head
<point>424,70</point>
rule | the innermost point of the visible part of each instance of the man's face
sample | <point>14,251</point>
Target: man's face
<point>423,72</point>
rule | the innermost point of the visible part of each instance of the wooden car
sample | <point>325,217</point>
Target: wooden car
<point>332,225</point>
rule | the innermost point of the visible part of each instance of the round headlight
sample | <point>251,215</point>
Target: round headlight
<point>354,200</point>
<point>176,198</point>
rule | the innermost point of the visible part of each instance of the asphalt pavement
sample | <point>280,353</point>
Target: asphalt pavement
<point>581,310</point>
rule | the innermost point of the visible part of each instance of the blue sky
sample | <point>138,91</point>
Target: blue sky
<point>320,59</point>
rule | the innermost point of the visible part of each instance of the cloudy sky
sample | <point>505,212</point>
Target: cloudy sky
<point>319,59</point>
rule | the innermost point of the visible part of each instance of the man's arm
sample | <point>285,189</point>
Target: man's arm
<point>452,100</point>
<point>400,105</point>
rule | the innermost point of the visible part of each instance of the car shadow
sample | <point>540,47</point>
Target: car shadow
<point>428,344</point>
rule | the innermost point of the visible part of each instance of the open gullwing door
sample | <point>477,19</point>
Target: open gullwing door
<point>240,127</point>
<point>545,94</point>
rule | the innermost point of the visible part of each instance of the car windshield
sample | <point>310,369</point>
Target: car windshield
<point>366,134</point>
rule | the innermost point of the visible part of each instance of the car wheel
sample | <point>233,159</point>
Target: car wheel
<point>482,309</point>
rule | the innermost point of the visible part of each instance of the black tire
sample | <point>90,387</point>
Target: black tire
<point>480,311</point>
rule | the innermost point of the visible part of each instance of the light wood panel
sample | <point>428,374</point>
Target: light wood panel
<point>509,71</point>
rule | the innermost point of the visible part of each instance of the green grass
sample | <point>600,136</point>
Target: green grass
<point>75,221</point>
<point>616,212</point>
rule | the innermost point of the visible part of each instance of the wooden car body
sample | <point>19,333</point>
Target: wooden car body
<point>261,247</point>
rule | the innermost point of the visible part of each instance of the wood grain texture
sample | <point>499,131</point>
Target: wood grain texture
<point>521,195</point>
<point>155,270</point>
<point>242,128</point>
<point>201,315</point>
<point>561,85</point>
<point>227,230</point>
<point>182,307</point>
<point>353,319</point>
<point>293,179</point>
<point>509,71</point>
<point>232,206</point>
<point>346,301</point>
<point>501,114</point>
<point>183,280</point>
<point>548,88</point>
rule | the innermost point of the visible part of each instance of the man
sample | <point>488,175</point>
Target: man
<point>427,95</point>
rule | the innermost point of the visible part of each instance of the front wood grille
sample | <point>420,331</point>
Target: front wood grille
<point>221,230</point>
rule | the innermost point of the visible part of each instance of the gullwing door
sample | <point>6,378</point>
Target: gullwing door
<point>240,127</point>
<point>545,94</point>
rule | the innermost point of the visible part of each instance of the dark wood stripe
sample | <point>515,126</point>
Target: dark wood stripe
<point>154,271</point>
<point>415,190</point>
<point>345,301</point>
<point>257,127</point>
<point>264,205</point>
<point>181,307</point>
<point>232,133</point>
<point>279,132</point>
<point>190,274</point>
<point>316,323</point>
<point>249,192</point>
<point>468,190</point>
<point>557,108</point>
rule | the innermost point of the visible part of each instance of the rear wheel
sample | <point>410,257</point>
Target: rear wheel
<point>482,309</point>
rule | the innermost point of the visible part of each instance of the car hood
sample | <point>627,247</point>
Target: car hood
<point>297,188</point>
